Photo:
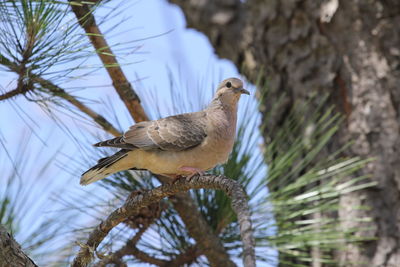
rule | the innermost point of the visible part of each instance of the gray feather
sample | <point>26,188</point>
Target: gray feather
<point>174,133</point>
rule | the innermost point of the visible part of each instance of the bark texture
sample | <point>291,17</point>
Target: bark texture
<point>11,253</point>
<point>350,49</point>
<point>137,201</point>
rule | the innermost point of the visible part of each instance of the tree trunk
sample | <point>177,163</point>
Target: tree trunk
<point>349,49</point>
<point>11,254</point>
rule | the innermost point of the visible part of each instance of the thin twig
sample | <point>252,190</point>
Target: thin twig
<point>130,248</point>
<point>121,84</point>
<point>58,91</point>
<point>21,89</point>
<point>132,206</point>
<point>24,84</point>
<point>143,225</point>
<point>55,90</point>
<point>144,257</point>
<point>127,249</point>
<point>207,240</point>
<point>185,258</point>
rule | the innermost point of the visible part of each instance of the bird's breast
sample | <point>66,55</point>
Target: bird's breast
<point>206,156</point>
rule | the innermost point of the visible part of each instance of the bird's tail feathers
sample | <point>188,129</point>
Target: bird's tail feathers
<point>102,168</point>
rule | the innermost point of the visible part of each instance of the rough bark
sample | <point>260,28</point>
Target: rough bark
<point>11,253</point>
<point>349,49</point>
<point>133,204</point>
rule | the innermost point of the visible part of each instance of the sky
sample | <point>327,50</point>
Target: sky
<point>166,49</point>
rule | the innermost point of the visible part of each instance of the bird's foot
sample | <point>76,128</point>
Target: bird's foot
<point>178,178</point>
<point>192,171</point>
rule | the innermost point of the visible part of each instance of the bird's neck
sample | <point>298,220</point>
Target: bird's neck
<point>225,113</point>
<point>227,105</point>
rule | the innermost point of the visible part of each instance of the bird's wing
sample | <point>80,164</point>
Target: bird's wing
<point>174,133</point>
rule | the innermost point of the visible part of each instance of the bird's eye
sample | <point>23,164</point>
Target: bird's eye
<point>228,84</point>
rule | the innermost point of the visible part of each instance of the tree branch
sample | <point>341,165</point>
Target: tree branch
<point>24,85</point>
<point>144,257</point>
<point>142,221</point>
<point>58,91</point>
<point>207,240</point>
<point>185,258</point>
<point>120,82</point>
<point>22,88</point>
<point>55,90</point>
<point>133,204</point>
<point>11,253</point>
<point>130,249</point>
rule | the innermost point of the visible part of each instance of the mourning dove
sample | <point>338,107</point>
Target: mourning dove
<point>180,145</point>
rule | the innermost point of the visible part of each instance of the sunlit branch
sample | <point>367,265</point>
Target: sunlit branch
<point>120,82</point>
<point>133,204</point>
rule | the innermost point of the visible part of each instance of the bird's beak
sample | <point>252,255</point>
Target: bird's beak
<point>244,91</point>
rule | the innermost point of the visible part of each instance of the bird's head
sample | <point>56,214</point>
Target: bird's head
<point>230,90</point>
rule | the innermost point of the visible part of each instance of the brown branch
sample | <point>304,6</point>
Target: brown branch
<point>133,204</point>
<point>144,257</point>
<point>207,240</point>
<point>23,85</point>
<point>11,253</point>
<point>58,91</point>
<point>185,258</point>
<point>142,221</point>
<point>21,89</point>
<point>130,249</point>
<point>120,82</point>
<point>55,90</point>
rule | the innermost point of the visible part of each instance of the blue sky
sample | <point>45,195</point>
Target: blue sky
<point>183,53</point>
